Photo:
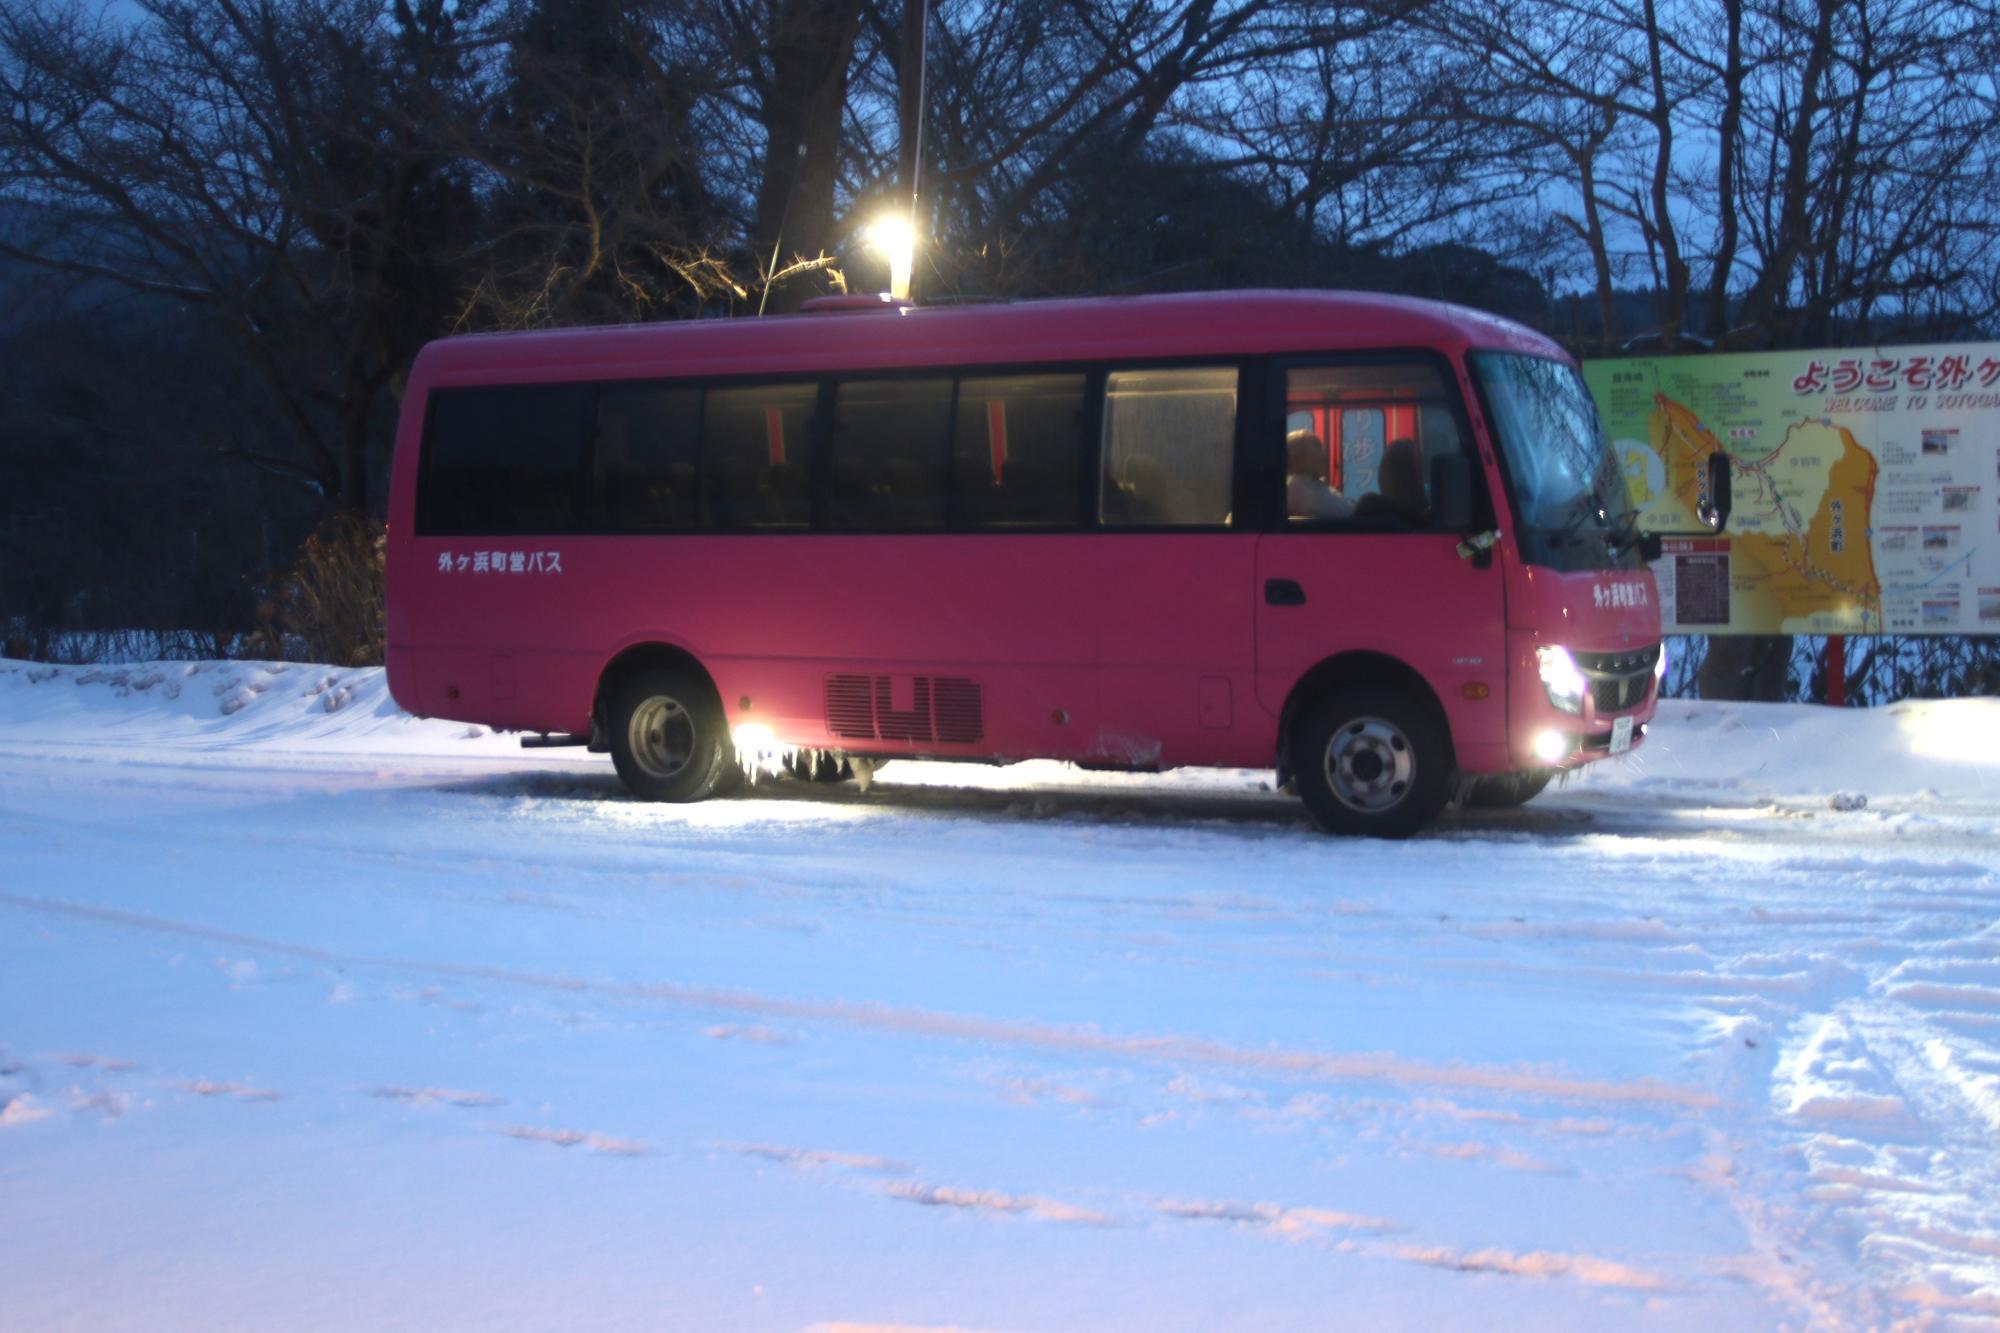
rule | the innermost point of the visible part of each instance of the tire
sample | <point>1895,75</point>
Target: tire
<point>820,766</point>
<point>1504,791</point>
<point>668,738</point>
<point>1371,763</point>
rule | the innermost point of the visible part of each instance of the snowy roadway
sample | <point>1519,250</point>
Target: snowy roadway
<point>312,1015</point>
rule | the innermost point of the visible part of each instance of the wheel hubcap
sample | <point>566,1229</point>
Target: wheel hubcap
<point>662,737</point>
<point>1370,765</point>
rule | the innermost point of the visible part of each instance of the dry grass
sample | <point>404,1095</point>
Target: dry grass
<point>328,606</point>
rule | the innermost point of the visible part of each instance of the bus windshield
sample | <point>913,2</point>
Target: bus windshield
<point>1569,495</point>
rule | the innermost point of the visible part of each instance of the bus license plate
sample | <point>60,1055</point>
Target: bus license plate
<point>1621,735</point>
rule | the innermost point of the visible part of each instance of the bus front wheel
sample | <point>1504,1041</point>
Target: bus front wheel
<point>668,737</point>
<point>1371,763</point>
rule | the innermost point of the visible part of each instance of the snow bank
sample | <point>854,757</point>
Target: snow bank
<point>280,705</point>
<point>1939,747</point>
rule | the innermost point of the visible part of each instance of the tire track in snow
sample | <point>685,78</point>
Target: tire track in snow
<point>1308,1066</point>
<point>1891,1117</point>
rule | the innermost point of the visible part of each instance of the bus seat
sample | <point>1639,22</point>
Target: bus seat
<point>905,496</point>
<point>1033,493</point>
<point>783,497</point>
<point>1399,484</point>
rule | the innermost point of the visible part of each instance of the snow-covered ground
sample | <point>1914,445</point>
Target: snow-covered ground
<point>314,1015</point>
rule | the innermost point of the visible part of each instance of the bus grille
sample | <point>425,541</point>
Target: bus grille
<point>944,709</point>
<point>1619,681</point>
<point>1615,696</point>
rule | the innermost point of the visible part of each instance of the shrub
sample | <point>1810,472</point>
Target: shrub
<point>328,606</point>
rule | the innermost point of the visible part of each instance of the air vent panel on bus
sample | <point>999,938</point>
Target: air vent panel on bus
<point>850,707</point>
<point>948,710</point>
<point>960,710</point>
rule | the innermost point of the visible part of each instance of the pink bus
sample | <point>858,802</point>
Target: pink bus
<point>1375,543</point>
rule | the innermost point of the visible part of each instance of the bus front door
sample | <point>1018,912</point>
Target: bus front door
<point>1405,597</point>
<point>1357,565</point>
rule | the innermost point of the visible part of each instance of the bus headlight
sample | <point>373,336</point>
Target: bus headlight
<point>1551,747</point>
<point>1561,679</point>
<point>1660,663</point>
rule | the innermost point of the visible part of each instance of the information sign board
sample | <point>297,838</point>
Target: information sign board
<point>1865,484</point>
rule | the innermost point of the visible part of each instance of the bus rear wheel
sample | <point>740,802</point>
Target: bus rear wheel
<point>1371,763</point>
<point>1504,791</point>
<point>668,737</point>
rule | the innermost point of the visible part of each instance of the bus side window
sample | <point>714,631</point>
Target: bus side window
<point>1391,419</point>
<point>756,456</point>
<point>1016,448</point>
<point>889,460</point>
<point>1169,447</point>
<point>505,461</point>
<point>648,444</point>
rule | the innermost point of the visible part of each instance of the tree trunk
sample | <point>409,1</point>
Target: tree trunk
<point>1600,251</point>
<point>812,45</point>
<point>1748,668</point>
<point>356,410</point>
<point>1795,187</point>
<point>1674,269</point>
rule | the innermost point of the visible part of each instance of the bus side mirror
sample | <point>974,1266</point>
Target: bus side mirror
<point>1716,512</point>
<point>1650,546</point>
<point>1451,492</point>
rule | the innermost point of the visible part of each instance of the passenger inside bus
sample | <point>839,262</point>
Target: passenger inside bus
<point>1399,485</point>
<point>1307,495</point>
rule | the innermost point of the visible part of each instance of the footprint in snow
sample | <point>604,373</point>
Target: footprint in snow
<point>571,1138</point>
<point>86,1061</point>
<point>242,1092</point>
<point>436,1096</point>
<point>22,1109</point>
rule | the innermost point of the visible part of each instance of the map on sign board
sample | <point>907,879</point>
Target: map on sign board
<point>1865,485</point>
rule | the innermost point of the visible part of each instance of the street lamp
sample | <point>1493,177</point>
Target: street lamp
<point>895,238</point>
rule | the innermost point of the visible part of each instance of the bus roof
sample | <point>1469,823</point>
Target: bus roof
<point>1232,323</point>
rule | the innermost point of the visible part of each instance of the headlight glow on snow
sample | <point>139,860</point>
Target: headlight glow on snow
<point>757,749</point>
<point>754,737</point>
<point>1561,678</point>
<point>1551,746</point>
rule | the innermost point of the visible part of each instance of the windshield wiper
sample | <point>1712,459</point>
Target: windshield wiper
<point>1571,528</point>
<point>1586,523</point>
<point>1623,535</point>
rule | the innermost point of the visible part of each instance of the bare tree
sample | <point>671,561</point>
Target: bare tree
<point>1904,208</point>
<point>267,165</point>
<point>1049,114</point>
<point>589,174</point>
<point>1564,83</point>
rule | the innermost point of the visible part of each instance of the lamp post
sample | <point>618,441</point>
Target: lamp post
<point>910,126</point>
